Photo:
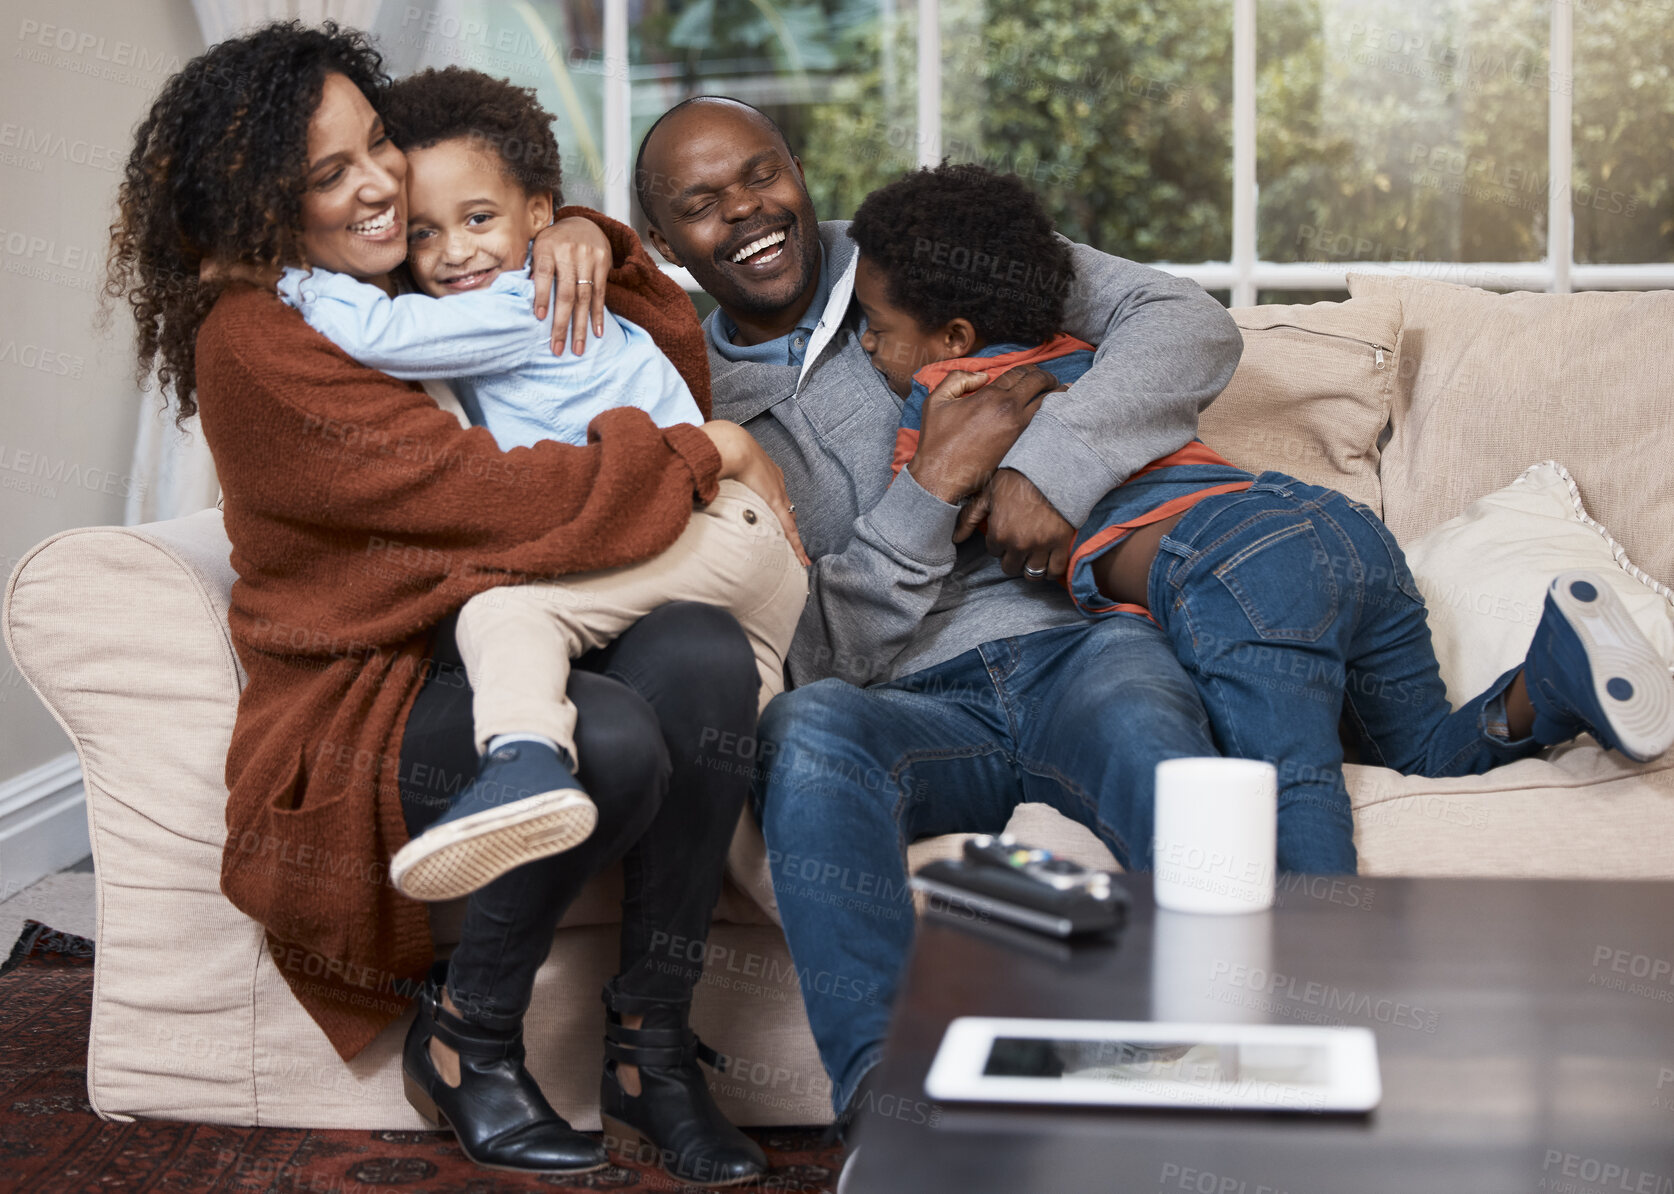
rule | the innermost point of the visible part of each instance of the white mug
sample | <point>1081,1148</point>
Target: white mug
<point>1216,836</point>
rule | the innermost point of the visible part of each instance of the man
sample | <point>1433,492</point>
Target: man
<point>936,686</point>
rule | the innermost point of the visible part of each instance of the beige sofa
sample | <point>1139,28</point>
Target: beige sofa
<point>1413,397</point>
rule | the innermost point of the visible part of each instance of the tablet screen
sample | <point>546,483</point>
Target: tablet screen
<point>1182,1063</point>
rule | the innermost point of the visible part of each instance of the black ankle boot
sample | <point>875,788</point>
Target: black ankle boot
<point>497,1111</point>
<point>673,1121</point>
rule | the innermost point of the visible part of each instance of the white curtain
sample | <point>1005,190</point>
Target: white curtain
<point>172,470</point>
<point>173,473</point>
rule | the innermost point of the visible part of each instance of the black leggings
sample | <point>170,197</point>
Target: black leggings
<point>656,707</point>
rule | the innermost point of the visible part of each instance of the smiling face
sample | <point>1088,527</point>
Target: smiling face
<point>728,202</point>
<point>897,343</point>
<point>468,220</point>
<point>355,207</point>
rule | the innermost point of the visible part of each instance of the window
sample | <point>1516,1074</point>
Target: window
<point>1402,130</point>
<point>1622,194</point>
<point>1119,114</point>
<point>559,52</point>
<point>1261,147</point>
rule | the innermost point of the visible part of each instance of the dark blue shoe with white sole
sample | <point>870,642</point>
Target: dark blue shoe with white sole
<point>524,804</point>
<point>1591,670</point>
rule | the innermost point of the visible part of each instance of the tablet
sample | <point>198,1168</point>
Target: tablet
<point>1137,1063</point>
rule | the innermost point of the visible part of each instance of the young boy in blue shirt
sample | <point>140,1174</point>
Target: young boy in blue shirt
<point>482,173</point>
<point>1287,603</point>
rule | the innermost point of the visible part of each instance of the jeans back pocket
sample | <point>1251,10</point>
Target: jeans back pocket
<point>1283,579</point>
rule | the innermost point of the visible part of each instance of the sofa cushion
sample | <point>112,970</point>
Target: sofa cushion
<point>1491,383</point>
<point>1579,812</point>
<point>1311,394</point>
<point>1485,573</point>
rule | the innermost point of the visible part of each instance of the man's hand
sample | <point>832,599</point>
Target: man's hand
<point>969,426</point>
<point>1024,530</point>
<point>574,257</point>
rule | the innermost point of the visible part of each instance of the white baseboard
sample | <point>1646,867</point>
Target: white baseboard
<point>43,823</point>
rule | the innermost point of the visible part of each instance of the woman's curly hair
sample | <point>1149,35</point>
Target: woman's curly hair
<point>495,115</point>
<point>218,172</point>
<point>961,241</point>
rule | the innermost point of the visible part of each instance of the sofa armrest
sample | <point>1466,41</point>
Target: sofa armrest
<point>122,633</point>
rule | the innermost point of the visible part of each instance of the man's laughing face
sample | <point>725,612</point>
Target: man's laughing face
<point>727,201</point>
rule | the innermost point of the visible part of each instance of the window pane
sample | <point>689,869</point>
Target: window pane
<point>1396,130</point>
<point>557,50</point>
<point>1119,113</point>
<point>838,76</point>
<point>1623,195</point>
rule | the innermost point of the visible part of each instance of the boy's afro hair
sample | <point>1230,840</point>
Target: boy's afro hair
<point>438,105</point>
<point>961,240</point>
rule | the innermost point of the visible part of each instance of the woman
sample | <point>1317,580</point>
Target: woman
<point>361,517</point>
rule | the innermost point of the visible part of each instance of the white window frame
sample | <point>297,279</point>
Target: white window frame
<point>1245,274</point>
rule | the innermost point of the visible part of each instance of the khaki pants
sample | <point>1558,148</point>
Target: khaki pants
<point>517,641</point>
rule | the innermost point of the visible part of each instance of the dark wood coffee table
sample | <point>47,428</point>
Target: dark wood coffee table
<point>1525,1036</point>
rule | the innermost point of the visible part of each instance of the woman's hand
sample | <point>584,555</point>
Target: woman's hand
<point>970,424</point>
<point>574,256</point>
<point>747,462</point>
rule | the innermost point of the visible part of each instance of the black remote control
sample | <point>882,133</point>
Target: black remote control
<point>1023,885</point>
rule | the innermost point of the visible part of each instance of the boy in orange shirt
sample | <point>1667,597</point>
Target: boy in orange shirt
<point>1288,604</point>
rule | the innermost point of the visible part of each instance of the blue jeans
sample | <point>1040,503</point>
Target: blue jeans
<point>1076,717</point>
<point>1288,605</point>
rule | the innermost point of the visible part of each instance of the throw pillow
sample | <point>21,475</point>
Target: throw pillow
<point>1311,394</point>
<point>1484,576</point>
<point>1489,382</point>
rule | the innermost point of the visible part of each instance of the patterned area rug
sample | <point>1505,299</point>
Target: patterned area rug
<point>50,1140</point>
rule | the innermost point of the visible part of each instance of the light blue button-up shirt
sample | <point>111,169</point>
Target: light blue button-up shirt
<point>491,345</point>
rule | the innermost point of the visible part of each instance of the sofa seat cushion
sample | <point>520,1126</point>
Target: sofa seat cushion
<point>1580,812</point>
<point>1492,383</point>
<point>1311,394</point>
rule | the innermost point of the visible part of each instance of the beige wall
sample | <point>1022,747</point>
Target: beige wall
<point>68,405</point>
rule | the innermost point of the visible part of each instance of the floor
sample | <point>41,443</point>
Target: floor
<point>63,901</point>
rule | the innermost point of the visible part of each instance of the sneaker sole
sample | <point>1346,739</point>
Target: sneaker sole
<point>453,860</point>
<point>1617,650</point>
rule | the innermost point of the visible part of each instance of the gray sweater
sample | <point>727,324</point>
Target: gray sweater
<point>890,593</point>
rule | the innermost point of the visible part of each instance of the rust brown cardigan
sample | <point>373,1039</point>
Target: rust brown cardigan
<point>361,515</point>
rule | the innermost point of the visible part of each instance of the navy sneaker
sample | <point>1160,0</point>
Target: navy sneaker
<point>524,804</point>
<point>1591,670</point>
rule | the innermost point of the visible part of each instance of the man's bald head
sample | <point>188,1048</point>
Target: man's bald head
<point>726,199</point>
<point>698,107</point>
